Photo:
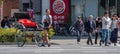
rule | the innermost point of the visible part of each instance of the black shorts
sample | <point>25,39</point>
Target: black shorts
<point>46,29</point>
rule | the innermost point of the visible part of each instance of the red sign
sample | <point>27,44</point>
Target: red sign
<point>59,10</point>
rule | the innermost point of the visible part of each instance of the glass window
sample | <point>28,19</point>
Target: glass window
<point>25,6</point>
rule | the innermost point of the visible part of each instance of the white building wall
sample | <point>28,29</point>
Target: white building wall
<point>91,8</point>
<point>76,9</point>
<point>45,5</point>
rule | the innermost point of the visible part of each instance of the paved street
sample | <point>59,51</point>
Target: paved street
<point>59,49</point>
<point>61,46</point>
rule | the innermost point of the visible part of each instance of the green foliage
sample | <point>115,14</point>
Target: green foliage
<point>8,34</point>
<point>0,2</point>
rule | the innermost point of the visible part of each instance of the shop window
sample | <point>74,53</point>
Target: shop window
<point>25,6</point>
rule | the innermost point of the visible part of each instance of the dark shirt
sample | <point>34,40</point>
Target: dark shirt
<point>5,22</point>
<point>79,25</point>
<point>98,24</point>
<point>89,27</point>
<point>47,22</point>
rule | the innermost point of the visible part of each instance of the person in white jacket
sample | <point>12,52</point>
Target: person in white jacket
<point>106,23</point>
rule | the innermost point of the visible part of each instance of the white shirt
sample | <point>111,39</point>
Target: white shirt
<point>114,24</point>
<point>45,17</point>
<point>106,23</point>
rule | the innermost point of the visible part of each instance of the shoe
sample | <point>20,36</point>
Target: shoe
<point>115,44</point>
<point>109,43</point>
<point>78,43</point>
<point>100,43</point>
<point>95,43</point>
<point>88,43</point>
<point>91,43</point>
<point>49,45</point>
<point>106,45</point>
<point>43,45</point>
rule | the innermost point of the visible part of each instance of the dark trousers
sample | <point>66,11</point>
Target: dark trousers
<point>98,34</point>
<point>114,35</point>
<point>89,38</point>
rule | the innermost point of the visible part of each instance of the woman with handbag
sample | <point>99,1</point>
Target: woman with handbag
<point>47,22</point>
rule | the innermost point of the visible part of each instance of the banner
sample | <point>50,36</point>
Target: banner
<point>59,10</point>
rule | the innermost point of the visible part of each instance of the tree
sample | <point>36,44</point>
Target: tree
<point>0,2</point>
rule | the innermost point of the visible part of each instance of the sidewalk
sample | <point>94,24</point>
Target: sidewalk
<point>71,40</point>
<point>68,40</point>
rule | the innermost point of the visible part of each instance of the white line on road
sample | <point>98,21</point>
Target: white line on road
<point>95,52</point>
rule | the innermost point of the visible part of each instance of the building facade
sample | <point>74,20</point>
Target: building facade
<point>8,6</point>
<point>82,8</point>
<point>74,8</point>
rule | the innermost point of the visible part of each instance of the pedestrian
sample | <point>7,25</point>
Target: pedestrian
<point>90,29</point>
<point>106,23</point>
<point>98,29</point>
<point>5,23</point>
<point>114,27</point>
<point>47,22</point>
<point>79,26</point>
<point>0,22</point>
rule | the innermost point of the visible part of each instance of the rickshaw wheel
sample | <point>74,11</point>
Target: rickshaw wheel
<point>20,35</point>
<point>20,39</point>
<point>38,40</point>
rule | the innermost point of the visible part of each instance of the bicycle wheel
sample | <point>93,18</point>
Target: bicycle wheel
<point>20,38</point>
<point>38,40</point>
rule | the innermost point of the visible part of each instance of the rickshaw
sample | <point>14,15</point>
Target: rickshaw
<point>23,24</point>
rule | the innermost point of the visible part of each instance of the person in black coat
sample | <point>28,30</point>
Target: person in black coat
<point>98,29</point>
<point>90,27</point>
<point>79,26</point>
<point>5,22</point>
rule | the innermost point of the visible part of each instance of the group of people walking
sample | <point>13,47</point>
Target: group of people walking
<point>104,27</point>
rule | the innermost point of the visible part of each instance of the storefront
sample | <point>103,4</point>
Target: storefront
<point>67,11</point>
<point>83,8</point>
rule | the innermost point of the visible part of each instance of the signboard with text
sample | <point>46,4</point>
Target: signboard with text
<point>59,10</point>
